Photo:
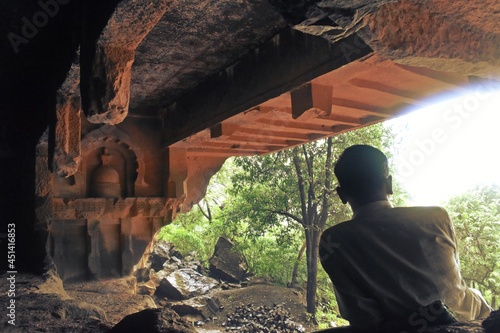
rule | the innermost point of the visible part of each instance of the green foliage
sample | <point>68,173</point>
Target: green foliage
<point>476,217</point>
<point>188,240</point>
<point>267,185</point>
<point>266,257</point>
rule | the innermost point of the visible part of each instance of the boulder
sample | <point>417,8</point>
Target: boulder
<point>227,264</point>
<point>192,261</point>
<point>153,321</point>
<point>142,274</point>
<point>162,252</point>
<point>169,267</point>
<point>202,306</point>
<point>185,283</point>
<point>155,278</point>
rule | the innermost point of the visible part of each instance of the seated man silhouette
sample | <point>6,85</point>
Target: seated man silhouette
<point>392,266</point>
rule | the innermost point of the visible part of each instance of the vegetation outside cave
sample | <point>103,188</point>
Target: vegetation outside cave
<point>258,203</point>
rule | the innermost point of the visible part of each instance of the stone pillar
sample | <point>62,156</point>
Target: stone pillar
<point>128,247</point>
<point>69,238</point>
<point>105,257</point>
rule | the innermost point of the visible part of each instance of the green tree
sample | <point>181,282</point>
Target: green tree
<point>294,188</point>
<point>476,218</point>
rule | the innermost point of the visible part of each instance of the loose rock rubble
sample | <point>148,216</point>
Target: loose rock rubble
<point>262,319</point>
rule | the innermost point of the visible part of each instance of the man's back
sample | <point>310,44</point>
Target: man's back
<point>387,262</point>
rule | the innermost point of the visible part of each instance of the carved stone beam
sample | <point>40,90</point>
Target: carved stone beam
<point>311,96</point>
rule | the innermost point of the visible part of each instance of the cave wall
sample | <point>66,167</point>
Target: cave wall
<point>102,216</point>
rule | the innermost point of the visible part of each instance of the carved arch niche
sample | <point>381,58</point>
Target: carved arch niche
<point>109,169</point>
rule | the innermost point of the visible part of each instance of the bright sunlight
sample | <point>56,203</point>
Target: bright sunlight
<point>449,146</point>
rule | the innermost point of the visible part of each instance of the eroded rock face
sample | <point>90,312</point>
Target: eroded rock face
<point>459,37</point>
<point>226,264</point>
<point>41,301</point>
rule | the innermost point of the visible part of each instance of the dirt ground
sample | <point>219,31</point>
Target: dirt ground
<point>45,305</point>
<point>261,295</point>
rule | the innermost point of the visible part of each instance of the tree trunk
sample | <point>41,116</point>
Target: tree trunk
<point>312,239</point>
<point>295,271</point>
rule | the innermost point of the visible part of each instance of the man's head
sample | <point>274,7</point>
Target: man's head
<point>363,175</point>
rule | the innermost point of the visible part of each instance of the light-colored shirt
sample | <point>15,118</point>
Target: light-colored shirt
<point>387,262</point>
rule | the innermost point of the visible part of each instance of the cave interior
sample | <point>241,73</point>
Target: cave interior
<point>116,114</point>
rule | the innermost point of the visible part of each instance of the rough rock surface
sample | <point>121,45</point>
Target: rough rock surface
<point>163,272</point>
<point>42,302</point>
<point>153,321</point>
<point>117,297</point>
<point>163,254</point>
<point>197,308</point>
<point>459,37</point>
<point>226,264</point>
<point>185,283</point>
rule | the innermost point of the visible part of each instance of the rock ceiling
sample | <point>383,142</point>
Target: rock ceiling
<point>142,57</point>
<point>149,56</point>
<point>192,40</point>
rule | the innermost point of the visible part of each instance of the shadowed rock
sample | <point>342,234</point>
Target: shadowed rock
<point>152,321</point>
<point>227,264</point>
<point>492,323</point>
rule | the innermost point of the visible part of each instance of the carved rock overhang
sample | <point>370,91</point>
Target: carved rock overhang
<point>147,55</point>
<point>242,78</point>
<point>356,95</point>
<point>415,50</point>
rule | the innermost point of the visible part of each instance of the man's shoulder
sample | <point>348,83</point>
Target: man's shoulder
<point>430,214</point>
<point>427,211</point>
<point>333,237</point>
<point>338,229</point>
